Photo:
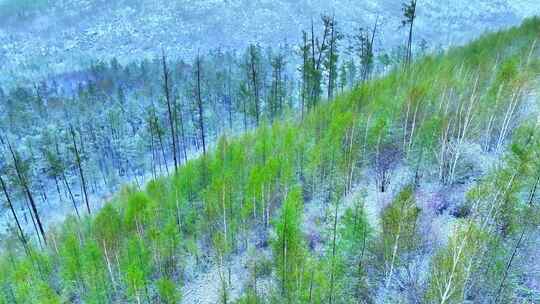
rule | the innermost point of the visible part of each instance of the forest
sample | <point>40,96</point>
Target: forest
<point>325,171</point>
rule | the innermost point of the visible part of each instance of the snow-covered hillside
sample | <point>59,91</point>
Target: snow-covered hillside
<point>64,34</point>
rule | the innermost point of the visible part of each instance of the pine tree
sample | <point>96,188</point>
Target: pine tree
<point>331,58</point>
<point>278,89</point>
<point>409,16</point>
<point>364,40</point>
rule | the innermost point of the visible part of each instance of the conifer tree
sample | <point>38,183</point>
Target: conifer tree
<point>364,40</point>
<point>409,16</point>
<point>331,59</point>
<point>278,89</point>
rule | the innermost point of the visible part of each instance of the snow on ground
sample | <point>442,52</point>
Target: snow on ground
<point>206,287</point>
<point>71,33</point>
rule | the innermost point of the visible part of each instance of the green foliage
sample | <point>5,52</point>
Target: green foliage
<point>399,230</point>
<point>137,209</point>
<point>157,189</point>
<point>249,298</point>
<point>71,264</point>
<point>167,292</point>
<point>28,280</point>
<point>45,294</point>
<point>135,266</point>
<point>108,226</point>
<point>452,265</point>
<point>354,245</point>
<point>94,274</point>
<point>316,282</point>
<point>288,247</point>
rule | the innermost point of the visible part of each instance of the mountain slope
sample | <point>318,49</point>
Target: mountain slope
<point>381,195</point>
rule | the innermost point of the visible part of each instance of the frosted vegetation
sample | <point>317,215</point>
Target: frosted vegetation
<point>327,170</point>
<point>43,37</point>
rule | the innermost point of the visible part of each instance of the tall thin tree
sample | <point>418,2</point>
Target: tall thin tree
<point>80,168</point>
<point>15,217</point>
<point>199,102</point>
<point>26,189</point>
<point>167,92</point>
<point>409,16</point>
<point>254,77</point>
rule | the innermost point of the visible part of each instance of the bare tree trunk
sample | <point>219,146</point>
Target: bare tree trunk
<point>169,108</point>
<point>244,110</point>
<point>70,194</point>
<point>8,199</point>
<point>81,173</point>
<point>332,274</point>
<point>163,155</point>
<point>152,150</point>
<point>109,268</point>
<point>253,71</point>
<point>24,184</point>
<point>58,189</point>
<point>410,15</point>
<point>180,118</point>
<point>331,59</point>
<point>199,104</point>
<point>409,44</point>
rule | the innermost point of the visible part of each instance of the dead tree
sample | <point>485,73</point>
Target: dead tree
<point>167,91</point>
<point>179,119</point>
<point>199,103</point>
<point>62,174</point>
<point>26,189</point>
<point>254,77</point>
<point>8,199</point>
<point>79,166</point>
